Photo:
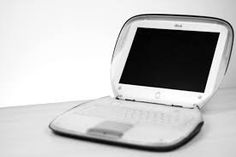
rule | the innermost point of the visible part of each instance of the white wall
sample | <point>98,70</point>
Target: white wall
<point>55,50</point>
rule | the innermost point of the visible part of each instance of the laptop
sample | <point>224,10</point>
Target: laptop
<point>164,69</point>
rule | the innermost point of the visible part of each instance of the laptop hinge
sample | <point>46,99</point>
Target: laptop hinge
<point>177,106</point>
<point>173,105</point>
<point>125,99</point>
<point>196,106</point>
<point>130,100</point>
<point>118,97</point>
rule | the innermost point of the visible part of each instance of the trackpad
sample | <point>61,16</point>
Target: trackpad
<point>109,129</point>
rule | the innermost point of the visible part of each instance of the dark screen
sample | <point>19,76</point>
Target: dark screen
<point>172,59</point>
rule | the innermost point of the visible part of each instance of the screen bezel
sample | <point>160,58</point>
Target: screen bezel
<point>164,95</point>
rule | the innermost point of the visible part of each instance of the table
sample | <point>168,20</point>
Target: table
<point>24,132</point>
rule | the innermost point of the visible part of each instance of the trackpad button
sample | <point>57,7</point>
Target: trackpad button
<point>109,129</point>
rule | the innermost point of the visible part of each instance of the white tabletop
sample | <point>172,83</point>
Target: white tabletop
<point>24,132</point>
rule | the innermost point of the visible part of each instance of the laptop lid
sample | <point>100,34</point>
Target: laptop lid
<point>173,60</point>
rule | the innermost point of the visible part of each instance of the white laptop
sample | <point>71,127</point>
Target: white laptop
<point>164,69</point>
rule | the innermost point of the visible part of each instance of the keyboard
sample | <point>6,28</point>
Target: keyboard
<point>129,113</point>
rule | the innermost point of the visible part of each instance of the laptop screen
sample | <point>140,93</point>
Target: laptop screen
<point>172,59</point>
